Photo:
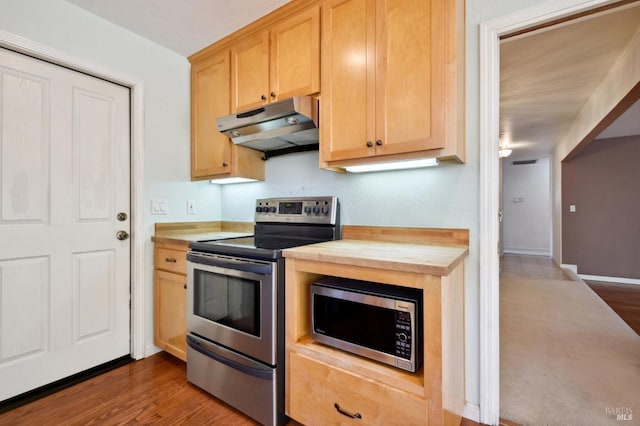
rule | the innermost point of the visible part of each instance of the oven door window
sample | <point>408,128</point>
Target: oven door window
<point>228,300</point>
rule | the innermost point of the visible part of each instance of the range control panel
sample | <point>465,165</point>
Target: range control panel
<point>316,210</point>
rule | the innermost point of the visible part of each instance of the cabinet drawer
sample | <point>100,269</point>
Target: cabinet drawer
<point>315,390</point>
<point>171,260</point>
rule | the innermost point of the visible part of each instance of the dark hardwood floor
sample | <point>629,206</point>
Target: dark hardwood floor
<point>624,299</point>
<point>153,390</point>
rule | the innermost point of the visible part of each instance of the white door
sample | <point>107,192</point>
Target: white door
<point>64,177</point>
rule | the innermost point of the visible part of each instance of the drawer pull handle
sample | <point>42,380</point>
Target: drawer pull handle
<point>170,259</point>
<point>346,413</point>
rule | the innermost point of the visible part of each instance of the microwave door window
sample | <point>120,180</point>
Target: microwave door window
<point>364,325</point>
<point>230,301</point>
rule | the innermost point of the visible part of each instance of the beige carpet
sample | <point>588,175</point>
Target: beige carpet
<point>566,358</point>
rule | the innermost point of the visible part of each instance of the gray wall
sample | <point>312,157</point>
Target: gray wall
<point>602,237</point>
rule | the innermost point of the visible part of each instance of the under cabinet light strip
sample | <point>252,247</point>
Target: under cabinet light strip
<point>225,181</point>
<point>429,162</point>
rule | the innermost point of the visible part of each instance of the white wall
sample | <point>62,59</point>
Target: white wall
<point>527,207</point>
<point>445,196</point>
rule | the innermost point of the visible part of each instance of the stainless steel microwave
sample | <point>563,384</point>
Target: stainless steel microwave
<point>378,321</point>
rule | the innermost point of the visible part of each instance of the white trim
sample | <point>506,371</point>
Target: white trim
<point>529,252</point>
<point>471,412</point>
<point>489,83</point>
<point>138,282</point>
<point>572,268</point>
<point>489,227</point>
<point>600,278</point>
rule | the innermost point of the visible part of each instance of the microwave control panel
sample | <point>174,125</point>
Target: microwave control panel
<point>403,335</point>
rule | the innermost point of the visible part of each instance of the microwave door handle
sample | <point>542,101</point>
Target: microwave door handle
<point>197,345</point>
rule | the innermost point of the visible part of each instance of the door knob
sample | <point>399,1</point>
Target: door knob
<point>122,216</point>
<point>122,235</point>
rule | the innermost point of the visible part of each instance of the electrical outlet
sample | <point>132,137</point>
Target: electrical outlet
<point>191,207</point>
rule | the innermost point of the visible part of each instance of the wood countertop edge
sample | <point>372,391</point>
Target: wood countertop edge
<point>183,233</point>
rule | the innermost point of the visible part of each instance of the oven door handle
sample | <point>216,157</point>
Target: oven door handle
<point>207,350</point>
<point>240,265</point>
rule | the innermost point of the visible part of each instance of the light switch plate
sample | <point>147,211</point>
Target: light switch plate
<point>572,208</point>
<point>191,207</point>
<point>159,206</point>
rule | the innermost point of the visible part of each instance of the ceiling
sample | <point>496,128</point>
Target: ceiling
<point>184,26</point>
<point>546,76</point>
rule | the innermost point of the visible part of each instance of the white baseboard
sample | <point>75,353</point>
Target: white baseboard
<point>471,412</point>
<point>151,349</point>
<point>610,279</point>
<point>530,252</point>
<point>572,268</point>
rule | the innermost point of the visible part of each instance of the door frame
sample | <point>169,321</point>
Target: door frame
<point>489,82</point>
<point>136,86</point>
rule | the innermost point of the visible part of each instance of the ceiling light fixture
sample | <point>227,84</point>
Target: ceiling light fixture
<point>399,165</point>
<point>504,152</point>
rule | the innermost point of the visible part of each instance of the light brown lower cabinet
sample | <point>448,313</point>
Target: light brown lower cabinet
<point>323,391</point>
<point>170,300</point>
<point>325,385</point>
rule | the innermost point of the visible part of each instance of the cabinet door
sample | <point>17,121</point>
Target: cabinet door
<point>295,55</point>
<point>348,76</point>
<point>408,99</point>
<point>210,149</point>
<point>170,319</point>
<point>250,72</point>
<point>316,390</point>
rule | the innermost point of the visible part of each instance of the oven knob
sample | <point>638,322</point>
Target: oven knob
<point>325,210</point>
<point>258,209</point>
<point>272,209</point>
<point>307,209</point>
<point>316,209</point>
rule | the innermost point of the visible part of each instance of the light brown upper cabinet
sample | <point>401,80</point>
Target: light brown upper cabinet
<point>278,62</point>
<point>213,155</point>
<point>392,81</point>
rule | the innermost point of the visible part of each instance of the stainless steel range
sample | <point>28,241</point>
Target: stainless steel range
<point>235,304</point>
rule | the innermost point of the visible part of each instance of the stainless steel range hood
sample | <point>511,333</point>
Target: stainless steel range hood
<point>276,128</point>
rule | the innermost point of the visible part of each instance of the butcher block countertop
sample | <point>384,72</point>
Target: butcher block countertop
<point>417,258</point>
<point>183,233</point>
<point>432,251</point>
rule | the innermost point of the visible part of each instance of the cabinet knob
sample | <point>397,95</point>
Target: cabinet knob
<point>185,286</point>
<point>224,164</point>
<point>263,97</point>
<point>273,95</point>
<point>170,260</point>
<point>379,142</point>
<point>369,144</point>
